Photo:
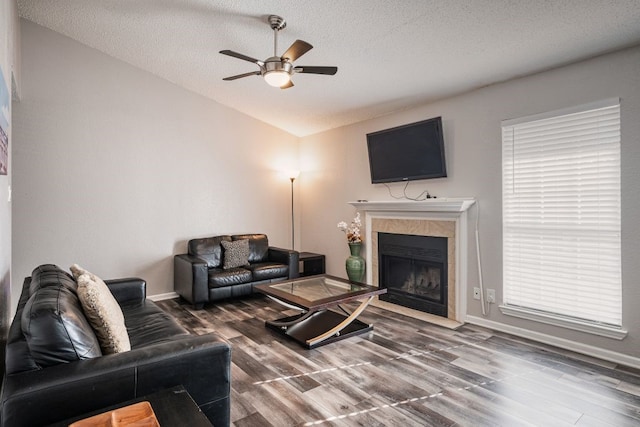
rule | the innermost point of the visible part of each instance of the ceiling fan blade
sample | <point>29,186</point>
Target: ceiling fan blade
<point>316,70</point>
<point>239,76</point>
<point>296,50</point>
<point>287,86</point>
<point>241,56</point>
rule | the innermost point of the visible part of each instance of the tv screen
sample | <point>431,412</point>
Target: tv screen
<point>406,153</point>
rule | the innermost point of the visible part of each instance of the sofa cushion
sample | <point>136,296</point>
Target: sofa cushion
<point>258,246</point>
<point>104,314</point>
<point>268,270</point>
<point>56,328</point>
<point>233,276</point>
<point>235,254</point>
<point>17,354</point>
<point>148,324</point>
<point>208,249</point>
<point>51,275</point>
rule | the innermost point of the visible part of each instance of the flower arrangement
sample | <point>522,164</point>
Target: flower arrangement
<point>353,230</point>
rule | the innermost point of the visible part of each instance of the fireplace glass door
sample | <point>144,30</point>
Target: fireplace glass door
<point>414,271</point>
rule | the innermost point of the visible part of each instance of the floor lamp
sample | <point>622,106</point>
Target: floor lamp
<point>292,176</point>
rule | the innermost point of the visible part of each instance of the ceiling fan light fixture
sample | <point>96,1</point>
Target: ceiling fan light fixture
<point>277,78</point>
<point>278,69</point>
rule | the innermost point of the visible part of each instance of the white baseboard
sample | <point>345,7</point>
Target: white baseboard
<point>589,350</point>
<point>160,297</point>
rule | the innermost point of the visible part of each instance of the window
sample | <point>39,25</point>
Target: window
<point>561,218</point>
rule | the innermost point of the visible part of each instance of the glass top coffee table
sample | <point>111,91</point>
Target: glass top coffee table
<point>315,296</point>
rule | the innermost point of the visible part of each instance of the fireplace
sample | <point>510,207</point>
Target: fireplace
<point>435,217</point>
<point>414,270</point>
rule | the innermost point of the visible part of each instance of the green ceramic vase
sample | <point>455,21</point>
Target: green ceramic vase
<point>355,264</point>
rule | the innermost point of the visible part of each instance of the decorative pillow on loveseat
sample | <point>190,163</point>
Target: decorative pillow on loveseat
<point>236,254</point>
<point>102,311</point>
<point>258,246</point>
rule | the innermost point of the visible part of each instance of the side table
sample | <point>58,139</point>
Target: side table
<point>311,264</point>
<point>172,407</point>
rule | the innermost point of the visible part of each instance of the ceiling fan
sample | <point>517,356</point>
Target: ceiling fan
<point>277,70</point>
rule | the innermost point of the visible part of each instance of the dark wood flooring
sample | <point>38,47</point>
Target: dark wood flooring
<point>409,373</point>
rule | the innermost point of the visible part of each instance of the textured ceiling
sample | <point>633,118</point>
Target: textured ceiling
<point>390,55</point>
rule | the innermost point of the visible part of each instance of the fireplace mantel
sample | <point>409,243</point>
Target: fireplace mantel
<point>430,205</point>
<point>447,216</point>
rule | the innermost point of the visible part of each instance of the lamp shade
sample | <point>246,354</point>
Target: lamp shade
<point>293,174</point>
<point>277,78</point>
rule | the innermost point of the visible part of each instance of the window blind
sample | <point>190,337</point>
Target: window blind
<point>561,214</point>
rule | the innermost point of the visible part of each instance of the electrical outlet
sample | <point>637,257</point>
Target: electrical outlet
<point>491,296</point>
<point>476,293</point>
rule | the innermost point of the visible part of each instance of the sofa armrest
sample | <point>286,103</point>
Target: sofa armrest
<point>190,279</point>
<point>288,257</point>
<point>201,364</point>
<point>131,289</point>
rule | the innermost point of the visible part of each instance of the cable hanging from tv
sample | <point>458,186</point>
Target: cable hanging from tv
<point>420,197</point>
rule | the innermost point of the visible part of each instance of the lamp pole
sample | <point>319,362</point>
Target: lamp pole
<point>293,174</point>
<point>293,240</point>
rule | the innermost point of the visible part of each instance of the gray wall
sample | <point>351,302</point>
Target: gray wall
<point>335,170</point>
<point>115,169</point>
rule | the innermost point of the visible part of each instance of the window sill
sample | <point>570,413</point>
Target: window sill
<point>550,319</point>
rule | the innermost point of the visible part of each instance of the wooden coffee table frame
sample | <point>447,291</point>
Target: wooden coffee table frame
<point>317,324</point>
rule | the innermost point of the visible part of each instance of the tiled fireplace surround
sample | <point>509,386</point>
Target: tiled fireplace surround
<point>432,217</point>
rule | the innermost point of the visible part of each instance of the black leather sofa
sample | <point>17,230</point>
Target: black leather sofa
<point>200,276</point>
<point>51,374</point>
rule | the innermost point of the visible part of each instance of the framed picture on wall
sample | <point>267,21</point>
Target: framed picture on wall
<point>4,124</point>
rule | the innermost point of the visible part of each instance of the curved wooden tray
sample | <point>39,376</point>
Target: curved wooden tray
<point>136,415</point>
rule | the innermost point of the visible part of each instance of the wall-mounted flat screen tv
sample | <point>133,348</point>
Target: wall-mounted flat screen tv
<point>406,153</point>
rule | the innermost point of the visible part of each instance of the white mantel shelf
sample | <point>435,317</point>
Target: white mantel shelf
<point>430,205</point>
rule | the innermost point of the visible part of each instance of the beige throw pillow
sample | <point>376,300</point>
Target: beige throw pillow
<point>78,271</point>
<point>104,314</point>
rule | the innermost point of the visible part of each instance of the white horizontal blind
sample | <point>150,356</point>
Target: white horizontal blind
<point>561,215</point>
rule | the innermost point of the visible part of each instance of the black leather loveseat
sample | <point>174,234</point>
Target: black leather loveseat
<point>54,371</point>
<point>203,274</point>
